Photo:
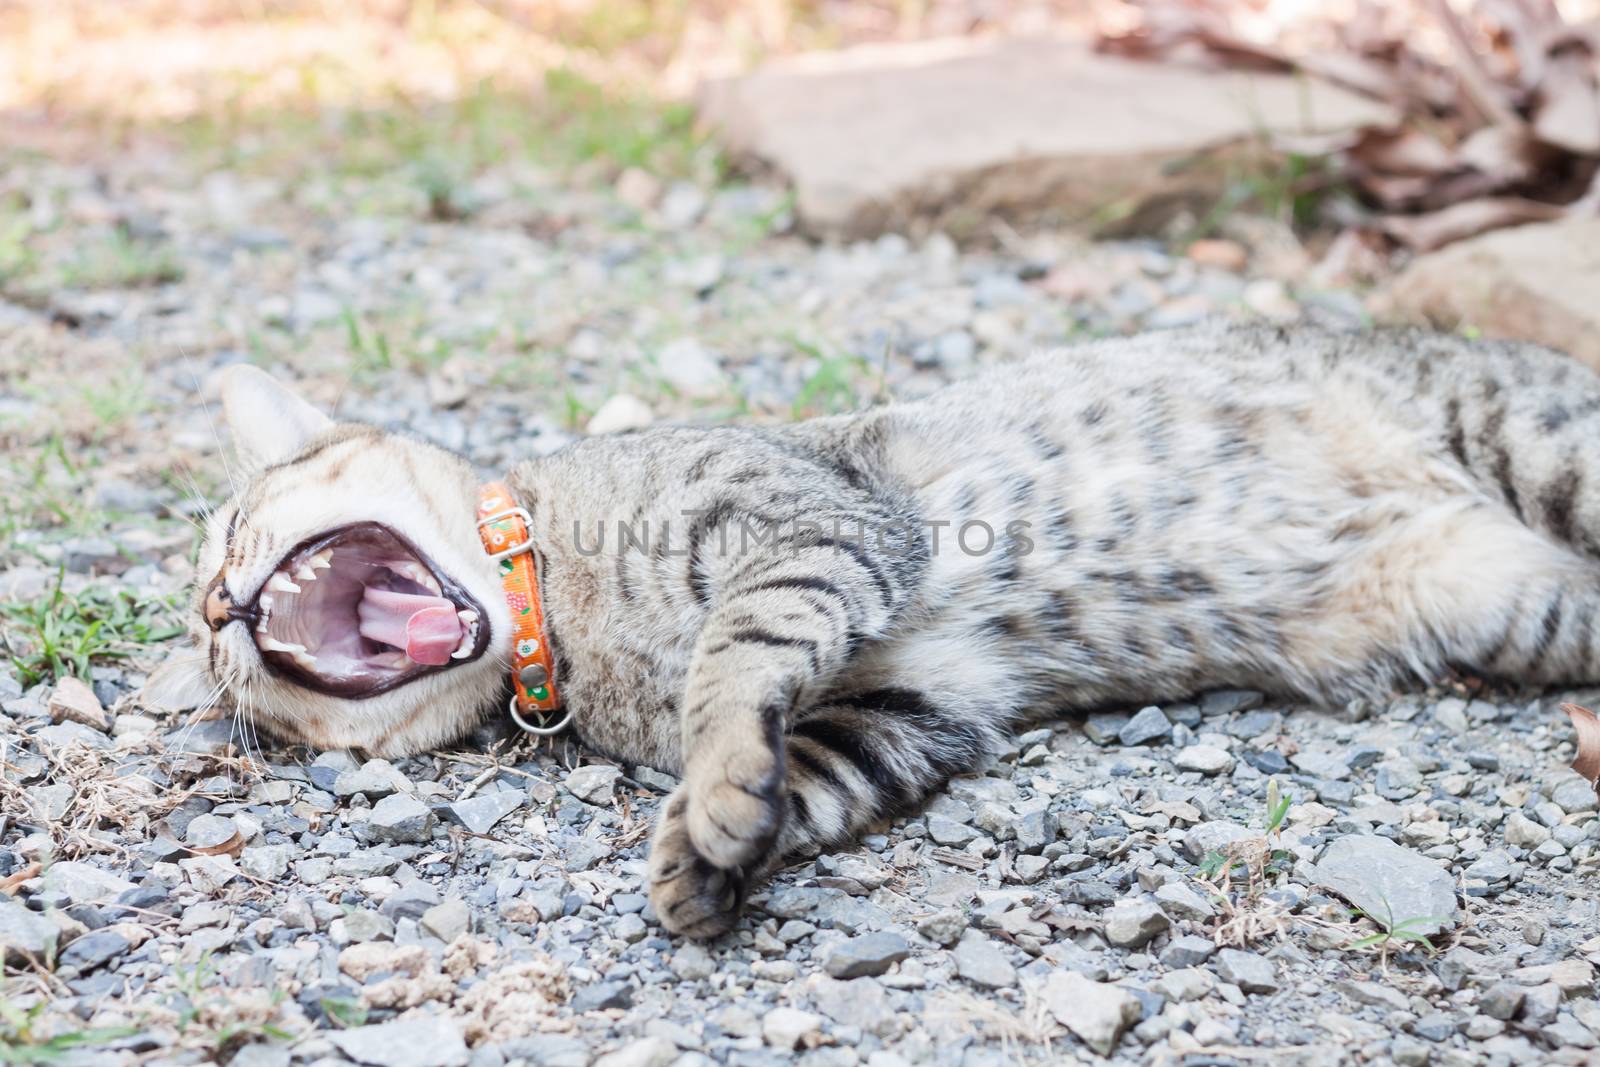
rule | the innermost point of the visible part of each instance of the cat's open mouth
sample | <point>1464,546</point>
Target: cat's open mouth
<point>358,610</point>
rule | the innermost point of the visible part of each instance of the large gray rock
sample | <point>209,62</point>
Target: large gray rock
<point>1096,1011</point>
<point>867,955</point>
<point>24,934</point>
<point>1389,883</point>
<point>1529,283</point>
<point>424,1041</point>
<point>980,961</point>
<point>962,129</point>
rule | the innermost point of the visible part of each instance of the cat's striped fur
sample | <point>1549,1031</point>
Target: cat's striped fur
<point>1313,514</point>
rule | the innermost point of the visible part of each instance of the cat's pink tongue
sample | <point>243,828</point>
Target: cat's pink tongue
<point>425,626</point>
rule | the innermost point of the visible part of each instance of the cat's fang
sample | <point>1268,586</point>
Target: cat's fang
<point>469,634</point>
<point>281,583</point>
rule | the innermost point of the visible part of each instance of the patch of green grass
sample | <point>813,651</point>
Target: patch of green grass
<point>49,493</point>
<point>60,633</point>
<point>344,1012</point>
<point>17,257</point>
<point>223,1021</point>
<point>1391,932</point>
<point>831,387</point>
<point>23,1043</point>
<point>115,402</point>
<point>120,261</point>
<point>439,147</point>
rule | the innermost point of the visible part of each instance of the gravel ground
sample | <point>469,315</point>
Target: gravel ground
<point>1129,885</point>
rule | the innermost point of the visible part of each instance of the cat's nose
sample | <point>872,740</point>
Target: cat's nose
<point>220,608</point>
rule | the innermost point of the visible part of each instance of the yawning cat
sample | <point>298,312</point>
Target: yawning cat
<point>817,625</point>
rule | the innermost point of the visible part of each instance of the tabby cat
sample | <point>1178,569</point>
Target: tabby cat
<point>817,625</point>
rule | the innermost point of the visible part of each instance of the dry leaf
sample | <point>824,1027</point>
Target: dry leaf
<point>1403,152</point>
<point>1423,233</point>
<point>8,884</point>
<point>230,847</point>
<point>1568,115</point>
<point>1587,763</point>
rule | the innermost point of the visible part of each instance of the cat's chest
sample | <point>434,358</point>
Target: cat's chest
<point>621,669</point>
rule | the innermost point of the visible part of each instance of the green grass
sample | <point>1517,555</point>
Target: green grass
<point>59,633</point>
<point>120,261</point>
<point>832,386</point>
<point>22,1042</point>
<point>437,148</point>
<point>49,492</point>
<point>1390,932</point>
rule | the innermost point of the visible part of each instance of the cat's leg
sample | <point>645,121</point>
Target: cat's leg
<point>782,623</point>
<point>1460,583</point>
<point>846,764</point>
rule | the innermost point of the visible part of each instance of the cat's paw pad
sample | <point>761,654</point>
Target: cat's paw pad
<point>691,896</point>
<point>733,824</point>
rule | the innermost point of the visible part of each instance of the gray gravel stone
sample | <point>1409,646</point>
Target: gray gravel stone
<point>1133,925</point>
<point>24,934</point>
<point>1248,971</point>
<point>1187,951</point>
<point>1227,701</point>
<point>1150,725</point>
<point>870,954</point>
<point>602,995</point>
<point>418,1041</point>
<point>92,950</point>
<point>594,784</point>
<point>1181,902</point>
<point>1097,1012</point>
<point>943,927</point>
<point>447,921</point>
<point>374,779</point>
<point>480,813</point>
<point>399,818</point>
<point>1203,839</point>
<point>1206,759</point>
<point>1389,883</point>
<point>980,961</point>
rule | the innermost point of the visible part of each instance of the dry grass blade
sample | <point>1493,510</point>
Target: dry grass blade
<point>1587,762</point>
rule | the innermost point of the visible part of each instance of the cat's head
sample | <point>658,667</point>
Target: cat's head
<point>342,596</point>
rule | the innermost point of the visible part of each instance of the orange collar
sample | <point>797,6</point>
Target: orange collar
<point>503,527</point>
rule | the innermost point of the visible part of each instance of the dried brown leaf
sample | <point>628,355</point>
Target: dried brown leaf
<point>1404,151</point>
<point>1423,233</point>
<point>1568,114</point>
<point>1587,762</point>
<point>231,847</point>
<point>8,884</point>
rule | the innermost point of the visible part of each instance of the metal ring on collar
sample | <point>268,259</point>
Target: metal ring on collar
<point>542,731</point>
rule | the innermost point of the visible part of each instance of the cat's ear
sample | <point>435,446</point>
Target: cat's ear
<point>180,683</point>
<point>269,421</point>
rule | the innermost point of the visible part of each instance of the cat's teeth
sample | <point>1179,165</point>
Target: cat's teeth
<point>469,633</point>
<point>280,583</point>
<point>322,560</point>
<point>296,652</point>
<point>417,573</point>
<point>304,573</point>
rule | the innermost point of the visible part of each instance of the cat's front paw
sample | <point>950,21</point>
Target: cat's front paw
<point>735,811</point>
<point>691,895</point>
